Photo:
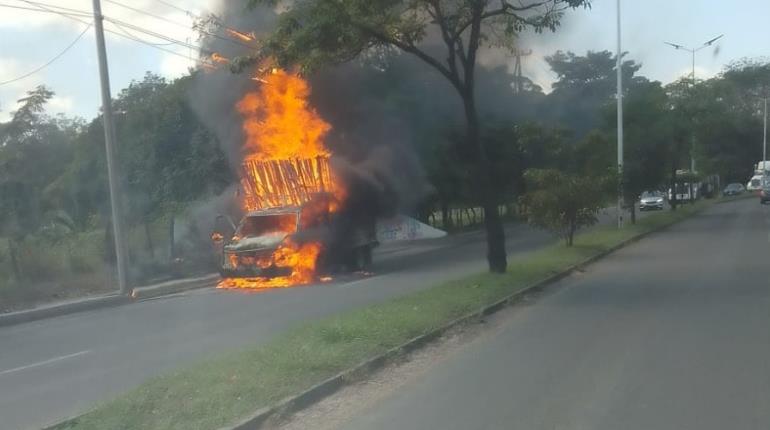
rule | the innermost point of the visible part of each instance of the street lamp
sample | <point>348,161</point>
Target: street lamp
<point>693,51</point>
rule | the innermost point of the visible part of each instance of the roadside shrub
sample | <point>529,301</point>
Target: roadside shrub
<point>561,202</point>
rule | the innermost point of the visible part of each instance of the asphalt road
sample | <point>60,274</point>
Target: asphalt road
<point>670,333</point>
<point>60,367</point>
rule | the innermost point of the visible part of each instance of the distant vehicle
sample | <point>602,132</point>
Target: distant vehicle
<point>755,183</point>
<point>651,200</point>
<point>764,194</point>
<point>734,189</point>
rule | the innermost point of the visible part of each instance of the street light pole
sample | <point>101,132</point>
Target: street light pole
<point>693,66</point>
<point>620,124</point>
<point>110,147</point>
<point>693,51</point>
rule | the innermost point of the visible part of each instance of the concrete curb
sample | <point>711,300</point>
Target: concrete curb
<point>172,287</point>
<point>91,303</point>
<point>318,392</point>
<point>12,318</point>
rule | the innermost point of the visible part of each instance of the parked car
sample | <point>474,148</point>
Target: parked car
<point>734,189</point>
<point>764,194</point>
<point>651,200</point>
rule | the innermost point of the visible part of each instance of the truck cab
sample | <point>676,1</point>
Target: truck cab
<point>247,253</point>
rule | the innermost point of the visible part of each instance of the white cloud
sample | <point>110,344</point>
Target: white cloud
<point>60,104</point>
<point>10,68</point>
<point>174,66</point>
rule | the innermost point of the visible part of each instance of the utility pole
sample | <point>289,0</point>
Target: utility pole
<point>110,146</point>
<point>620,126</point>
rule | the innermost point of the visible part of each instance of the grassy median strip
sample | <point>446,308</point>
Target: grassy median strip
<point>219,391</point>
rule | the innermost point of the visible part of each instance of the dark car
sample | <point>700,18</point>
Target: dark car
<point>734,189</point>
<point>764,194</point>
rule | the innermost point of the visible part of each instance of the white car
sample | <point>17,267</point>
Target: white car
<point>651,200</point>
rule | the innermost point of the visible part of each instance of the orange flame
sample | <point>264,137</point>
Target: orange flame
<point>300,258</point>
<point>219,59</point>
<point>246,37</point>
<point>279,124</point>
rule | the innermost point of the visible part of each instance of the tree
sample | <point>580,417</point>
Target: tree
<point>645,140</point>
<point>562,202</point>
<point>728,111</point>
<point>680,126</point>
<point>33,150</point>
<point>585,87</point>
<point>315,33</point>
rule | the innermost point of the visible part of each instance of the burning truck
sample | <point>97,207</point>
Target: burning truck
<point>295,228</point>
<point>288,235</point>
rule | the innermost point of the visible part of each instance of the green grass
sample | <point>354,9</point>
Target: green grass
<point>73,265</point>
<point>221,390</point>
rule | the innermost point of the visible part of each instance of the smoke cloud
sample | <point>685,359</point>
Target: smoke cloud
<point>373,149</point>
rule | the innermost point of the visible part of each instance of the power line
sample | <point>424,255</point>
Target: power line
<point>137,39</point>
<point>175,7</point>
<point>10,6</point>
<point>148,32</point>
<point>49,62</point>
<point>162,18</point>
<point>115,22</point>
<point>45,8</point>
<point>59,8</point>
<point>122,24</point>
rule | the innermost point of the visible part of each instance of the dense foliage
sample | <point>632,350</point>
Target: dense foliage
<point>54,205</point>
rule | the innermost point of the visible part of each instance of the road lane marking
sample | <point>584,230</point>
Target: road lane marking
<point>43,363</point>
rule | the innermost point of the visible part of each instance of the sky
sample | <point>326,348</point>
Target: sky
<point>29,39</point>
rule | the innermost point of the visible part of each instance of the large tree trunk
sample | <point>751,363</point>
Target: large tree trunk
<point>487,189</point>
